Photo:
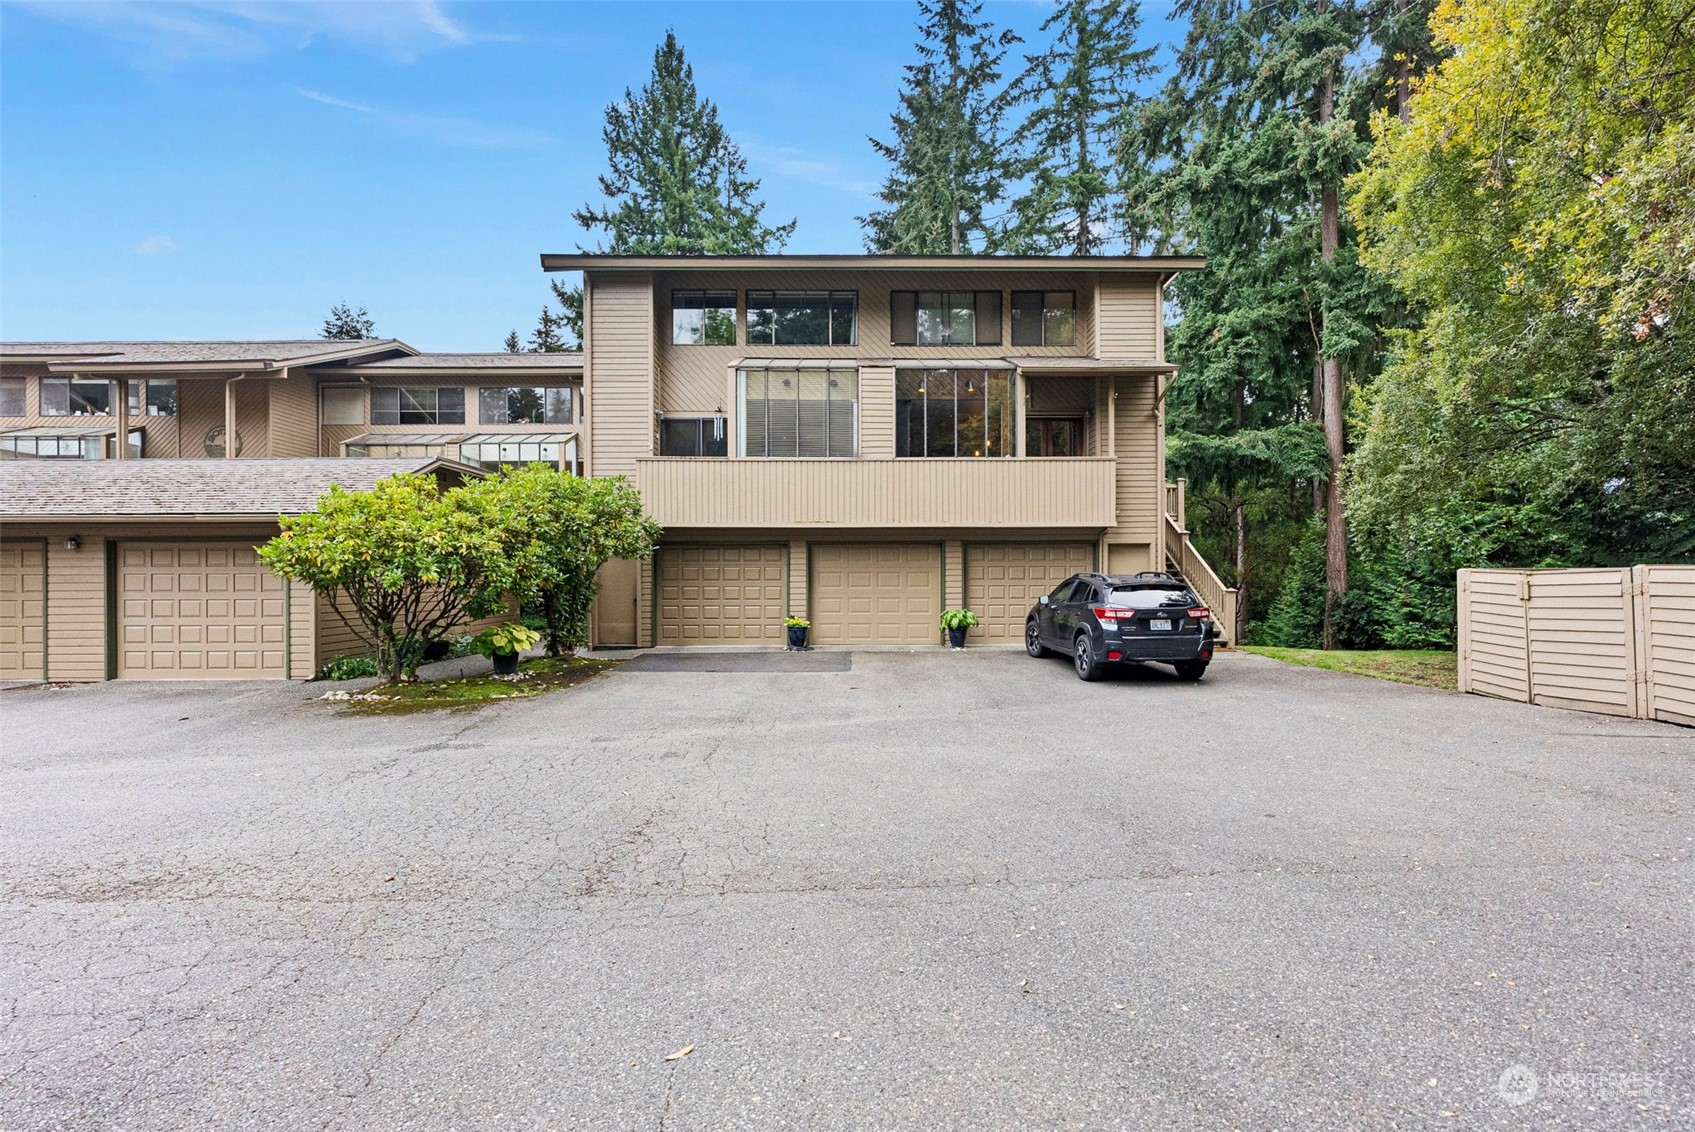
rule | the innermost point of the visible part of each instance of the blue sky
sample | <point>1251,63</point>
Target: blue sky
<point>228,171</point>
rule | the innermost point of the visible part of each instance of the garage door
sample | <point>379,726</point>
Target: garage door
<point>199,611</point>
<point>1003,580</point>
<point>23,611</point>
<point>723,595</point>
<point>876,594</point>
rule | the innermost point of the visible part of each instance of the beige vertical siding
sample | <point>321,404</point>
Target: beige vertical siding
<point>1129,317</point>
<point>1666,632</point>
<point>1140,475</point>
<point>644,604</point>
<point>799,588</point>
<point>953,574</point>
<point>292,417</point>
<point>334,436</point>
<point>619,371</point>
<point>877,413</point>
<point>302,632</point>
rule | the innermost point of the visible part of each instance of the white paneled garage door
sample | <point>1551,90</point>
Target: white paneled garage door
<point>1003,580</point>
<point>876,594</point>
<point>723,595</point>
<point>199,611</point>
<point>23,611</point>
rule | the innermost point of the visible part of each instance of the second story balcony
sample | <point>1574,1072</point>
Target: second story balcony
<point>918,494</point>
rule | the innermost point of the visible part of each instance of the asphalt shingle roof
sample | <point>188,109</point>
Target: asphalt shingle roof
<point>68,489</point>
<point>476,361</point>
<point>166,353</point>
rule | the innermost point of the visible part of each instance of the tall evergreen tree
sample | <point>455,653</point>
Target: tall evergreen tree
<point>948,164</point>
<point>348,324</point>
<point>1253,154</point>
<point>1083,99</point>
<point>513,344</point>
<point>546,338</point>
<point>676,183</point>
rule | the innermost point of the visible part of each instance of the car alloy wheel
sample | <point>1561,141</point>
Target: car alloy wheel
<point>1084,657</point>
<point>1033,640</point>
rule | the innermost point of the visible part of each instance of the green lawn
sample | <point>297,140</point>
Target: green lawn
<point>1432,668</point>
<point>535,677</point>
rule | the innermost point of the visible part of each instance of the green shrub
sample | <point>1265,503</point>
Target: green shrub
<point>348,668</point>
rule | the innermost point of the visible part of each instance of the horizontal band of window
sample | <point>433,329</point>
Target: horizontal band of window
<point>797,363</point>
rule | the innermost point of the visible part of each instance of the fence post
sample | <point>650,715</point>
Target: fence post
<point>1463,627</point>
<point>1641,662</point>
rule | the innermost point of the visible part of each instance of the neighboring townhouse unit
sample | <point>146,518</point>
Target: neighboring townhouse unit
<point>137,561</point>
<point>866,440</point>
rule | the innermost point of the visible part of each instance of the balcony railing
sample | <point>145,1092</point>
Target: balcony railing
<point>928,493</point>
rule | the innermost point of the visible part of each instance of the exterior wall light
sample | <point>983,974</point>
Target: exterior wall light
<point>73,542</point>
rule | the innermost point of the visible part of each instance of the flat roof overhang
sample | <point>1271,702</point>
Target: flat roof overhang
<point>585,261</point>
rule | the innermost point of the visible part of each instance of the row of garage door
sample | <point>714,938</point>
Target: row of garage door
<point>858,593</point>
<point>198,610</point>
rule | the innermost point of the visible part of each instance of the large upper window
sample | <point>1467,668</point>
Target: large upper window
<point>803,318</point>
<point>425,405</point>
<point>1044,318</point>
<point>799,412</point>
<point>153,397</point>
<point>945,318</point>
<point>693,436</point>
<point>14,400</point>
<point>953,412</point>
<point>703,318</point>
<point>526,404</point>
<point>78,445</point>
<point>75,397</point>
<point>343,404</point>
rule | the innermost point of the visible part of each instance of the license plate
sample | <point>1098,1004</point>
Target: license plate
<point>1160,623</point>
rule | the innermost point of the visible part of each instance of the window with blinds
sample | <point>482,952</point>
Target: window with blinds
<point>799,412</point>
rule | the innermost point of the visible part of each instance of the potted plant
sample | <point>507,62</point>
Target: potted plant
<point>956,622</point>
<point>503,643</point>
<point>797,627</point>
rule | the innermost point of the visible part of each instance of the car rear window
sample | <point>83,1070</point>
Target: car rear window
<point>1137,594</point>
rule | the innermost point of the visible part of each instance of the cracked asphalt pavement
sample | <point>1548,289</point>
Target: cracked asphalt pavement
<point>936,890</point>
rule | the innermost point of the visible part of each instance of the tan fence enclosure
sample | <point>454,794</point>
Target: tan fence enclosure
<point>1617,641</point>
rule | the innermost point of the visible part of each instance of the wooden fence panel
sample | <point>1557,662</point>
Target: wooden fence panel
<point>1493,634</point>
<point>1582,640</point>
<point>1666,632</point>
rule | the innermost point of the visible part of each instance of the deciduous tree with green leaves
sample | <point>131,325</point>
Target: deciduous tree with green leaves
<point>1537,208</point>
<point>400,564</point>
<point>564,528</point>
<point>949,163</point>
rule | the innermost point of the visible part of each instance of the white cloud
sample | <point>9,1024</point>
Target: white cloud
<point>454,131</point>
<point>157,245</point>
<point>190,29</point>
<point>798,164</point>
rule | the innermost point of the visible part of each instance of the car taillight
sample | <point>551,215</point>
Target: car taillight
<point>1200,613</point>
<point>1109,613</point>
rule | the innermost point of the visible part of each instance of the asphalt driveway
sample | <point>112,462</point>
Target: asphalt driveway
<point>927,891</point>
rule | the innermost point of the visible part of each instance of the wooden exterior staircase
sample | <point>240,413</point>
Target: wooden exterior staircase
<point>1186,562</point>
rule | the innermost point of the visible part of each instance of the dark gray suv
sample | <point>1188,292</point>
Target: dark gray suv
<point>1103,619</point>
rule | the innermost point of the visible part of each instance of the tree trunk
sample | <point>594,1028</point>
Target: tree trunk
<point>1240,628</point>
<point>1318,419</point>
<point>1403,75</point>
<point>1335,531</point>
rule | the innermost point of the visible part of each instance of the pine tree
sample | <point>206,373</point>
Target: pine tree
<point>545,338</point>
<point>513,344</point>
<point>947,157</point>
<point>347,324</point>
<point>1252,156</point>
<point>676,183</point>
<point>1083,97</point>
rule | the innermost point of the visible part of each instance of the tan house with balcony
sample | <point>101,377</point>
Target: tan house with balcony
<point>866,440</point>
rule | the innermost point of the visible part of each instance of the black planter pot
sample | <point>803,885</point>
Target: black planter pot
<point>797,637</point>
<point>505,664</point>
<point>956,638</point>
